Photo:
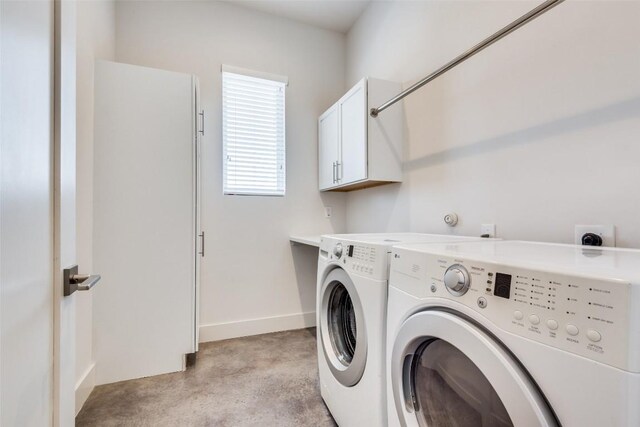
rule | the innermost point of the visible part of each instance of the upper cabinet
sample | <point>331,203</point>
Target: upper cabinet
<point>328,135</point>
<point>356,150</point>
<point>352,165</point>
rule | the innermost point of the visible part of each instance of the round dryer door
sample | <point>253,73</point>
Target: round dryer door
<point>342,328</point>
<point>447,371</point>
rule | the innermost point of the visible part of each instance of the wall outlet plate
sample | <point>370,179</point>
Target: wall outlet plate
<point>488,230</point>
<point>327,211</point>
<point>607,232</point>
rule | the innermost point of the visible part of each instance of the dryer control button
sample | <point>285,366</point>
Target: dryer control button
<point>482,302</point>
<point>518,315</point>
<point>572,330</point>
<point>594,335</point>
<point>337,250</point>
<point>457,280</point>
<point>534,319</point>
<point>552,324</point>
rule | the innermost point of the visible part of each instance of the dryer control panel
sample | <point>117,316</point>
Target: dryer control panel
<point>580,314</point>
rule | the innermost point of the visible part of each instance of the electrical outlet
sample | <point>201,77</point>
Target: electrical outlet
<point>488,230</point>
<point>327,211</point>
<point>606,232</point>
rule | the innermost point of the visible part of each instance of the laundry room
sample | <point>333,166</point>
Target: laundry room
<point>319,212</point>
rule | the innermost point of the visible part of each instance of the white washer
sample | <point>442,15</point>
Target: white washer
<point>513,333</point>
<point>353,271</point>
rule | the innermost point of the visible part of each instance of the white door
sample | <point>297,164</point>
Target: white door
<point>26,257</point>
<point>145,218</point>
<point>38,212</point>
<point>353,134</point>
<point>328,147</point>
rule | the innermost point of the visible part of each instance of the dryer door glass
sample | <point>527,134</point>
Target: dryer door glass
<point>448,371</point>
<point>342,324</point>
<point>450,390</point>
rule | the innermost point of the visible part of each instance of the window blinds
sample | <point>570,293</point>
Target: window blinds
<point>253,134</point>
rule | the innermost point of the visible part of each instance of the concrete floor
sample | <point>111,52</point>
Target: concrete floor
<point>264,380</point>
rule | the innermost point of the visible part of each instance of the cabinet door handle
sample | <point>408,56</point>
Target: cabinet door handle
<point>202,236</point>
<point>202,114</point>
<point>338,171</point>
<point>333,171</point>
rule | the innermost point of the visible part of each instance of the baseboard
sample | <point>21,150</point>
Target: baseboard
<point>85,386</point>
<point>244,328</point>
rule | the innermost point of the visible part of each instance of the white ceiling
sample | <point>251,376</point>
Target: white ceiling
<point>336,15</point>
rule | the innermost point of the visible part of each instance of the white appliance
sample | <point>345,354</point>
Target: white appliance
<point>351,304</point>
<point>147,242</point>
<point>513,333</point>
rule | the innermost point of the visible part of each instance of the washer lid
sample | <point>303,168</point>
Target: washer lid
<point>444,366</point>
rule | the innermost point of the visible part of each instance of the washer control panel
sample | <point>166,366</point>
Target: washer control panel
<point>362,259</point>
<point>580,314</point>
<point>358,258</point>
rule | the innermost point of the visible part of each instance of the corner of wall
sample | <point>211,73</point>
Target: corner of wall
<point>95,40</point>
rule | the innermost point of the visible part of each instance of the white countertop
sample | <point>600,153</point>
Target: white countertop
<point>305,240</point>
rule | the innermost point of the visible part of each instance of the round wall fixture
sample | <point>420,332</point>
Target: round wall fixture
<point>591,239</point>
<point>451,219</point>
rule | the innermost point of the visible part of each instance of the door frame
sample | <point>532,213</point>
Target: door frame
<point>64,216</point>
<point>198,235</point>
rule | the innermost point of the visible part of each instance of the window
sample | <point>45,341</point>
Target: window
<point>253,134</point>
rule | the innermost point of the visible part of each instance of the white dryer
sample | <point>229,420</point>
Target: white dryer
<point>353,271</point>
<point>513,333</point>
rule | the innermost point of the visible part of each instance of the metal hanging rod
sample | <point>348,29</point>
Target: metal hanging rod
<point>528,17</point>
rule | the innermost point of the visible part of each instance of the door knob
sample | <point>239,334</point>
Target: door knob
<point>72,281</point>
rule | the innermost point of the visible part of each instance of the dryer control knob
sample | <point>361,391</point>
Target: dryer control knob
<point>337,250</point>
<point>457,280</point>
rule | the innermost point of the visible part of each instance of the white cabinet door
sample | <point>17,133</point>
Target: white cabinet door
<point>144,221</point>
<point>328,147</point>
<point>353,135</point>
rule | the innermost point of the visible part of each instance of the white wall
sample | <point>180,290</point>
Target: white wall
<point>95,40</point>
<point>250,270</point>
<point>535,134</point>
